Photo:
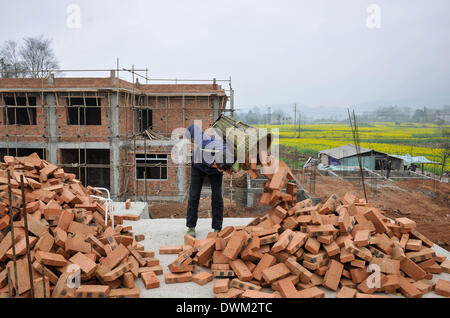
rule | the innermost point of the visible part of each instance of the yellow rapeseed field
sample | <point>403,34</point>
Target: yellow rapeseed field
<point>413,138</point>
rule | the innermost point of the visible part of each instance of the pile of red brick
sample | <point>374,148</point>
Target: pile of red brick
<point>66,234</point>
<point>344,244</point>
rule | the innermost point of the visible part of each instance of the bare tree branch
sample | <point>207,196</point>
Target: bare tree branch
<point>10,61</point>
<point>37,55</point>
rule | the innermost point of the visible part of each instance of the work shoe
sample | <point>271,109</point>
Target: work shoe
<point>217,231</point>
<point>191,231</point>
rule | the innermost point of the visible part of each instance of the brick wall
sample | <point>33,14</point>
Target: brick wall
<point>36,132</point>
<point>167,114</point>
<point>88,133</point>
<point>167,187</point>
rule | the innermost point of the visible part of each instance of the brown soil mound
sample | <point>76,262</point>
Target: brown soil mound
<point>415,199</point>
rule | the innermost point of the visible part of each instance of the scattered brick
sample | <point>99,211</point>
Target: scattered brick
<point>221,285</point>
<point>128,204</point>
<point>151,280</point>
<point>346,292</point>
<point>170,249</point>
<point>124,293</point>
<point>93,291</point>
<point>442,287</point>
<point>131,217</point>
<point>202,278</point>
<point>139,237</point>
<point>172,278</point>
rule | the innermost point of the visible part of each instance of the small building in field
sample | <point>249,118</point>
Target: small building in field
<point>347,156</point>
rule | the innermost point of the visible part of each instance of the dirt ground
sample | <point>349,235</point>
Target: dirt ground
<point>178,210</point>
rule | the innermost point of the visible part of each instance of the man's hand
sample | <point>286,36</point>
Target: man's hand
<point>229,171</point>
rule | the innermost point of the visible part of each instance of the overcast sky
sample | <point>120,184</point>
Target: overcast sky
<point>319,54</point>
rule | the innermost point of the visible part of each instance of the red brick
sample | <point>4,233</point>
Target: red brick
<point>362,238</point>
<point>236,283</point>
<point>266,261</point>
<point>128,280</point>
<point>312,292</point>
<point>412,269</point>
<point>131,217</point>
<point>234,245</point>
<point>442,287</point>
<point>408,289</point>
<point>117,272</point>
<point>65,219</point>
<point>221,285</point>
<point>425,286</point>
<point>380,226</point>
<point>256,294</point>
<point>170,249</point>
<point>202,278</point>
<point>51,259</point>
<point>87,265</point>
<point>346,292</point>
<point>275,272</point>
<point>312,245</point>
<point>283,241</point>
<point>150,280</point>
<point>333,275</point>
<point>124,293</point>
<point>298,240</point>
<point>231,293</point>
<point>171,278</point>
<point>93,291</point>
<point>115,257</point>
<point>287,289</point>
<point>128,204</point>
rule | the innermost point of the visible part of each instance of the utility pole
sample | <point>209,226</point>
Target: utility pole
<point>295,120</point>
<point>299,124</point>
<point>269,117</point>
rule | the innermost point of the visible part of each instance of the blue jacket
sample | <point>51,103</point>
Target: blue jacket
<point>203,143</point>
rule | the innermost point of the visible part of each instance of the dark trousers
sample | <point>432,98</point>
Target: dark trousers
<point>388,173</point>
<point>195,189</point>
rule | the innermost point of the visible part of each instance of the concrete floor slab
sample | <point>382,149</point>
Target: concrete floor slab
<point>163,232</point>
<point>137,208</point>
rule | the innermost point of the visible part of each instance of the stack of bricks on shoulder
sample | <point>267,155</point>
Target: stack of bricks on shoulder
<point>297,247</point>
<point>64,226</point>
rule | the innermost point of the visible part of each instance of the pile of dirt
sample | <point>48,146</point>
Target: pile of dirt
<point>239,179</point>
<point>415,199</point>
<point>178,210</point>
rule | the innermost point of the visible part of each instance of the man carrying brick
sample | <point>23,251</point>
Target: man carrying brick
<point>209,159</point>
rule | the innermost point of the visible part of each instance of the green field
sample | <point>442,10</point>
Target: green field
<point>395,139</point>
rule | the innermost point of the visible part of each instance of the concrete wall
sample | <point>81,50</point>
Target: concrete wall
<point>367,162</point>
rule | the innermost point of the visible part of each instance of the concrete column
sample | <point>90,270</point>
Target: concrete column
<point>215,101</point>
<point>250,195</point>
<point>52,128</point>
<point>181,179</point>
<point>114,160</point>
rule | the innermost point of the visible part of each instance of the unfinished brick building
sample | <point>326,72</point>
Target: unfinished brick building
<point>96,128</point>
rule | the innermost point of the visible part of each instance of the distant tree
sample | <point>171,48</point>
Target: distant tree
<point>10,62</point>
<point>419,116</point>
<point>37,55</point>
<point>32,59</point>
